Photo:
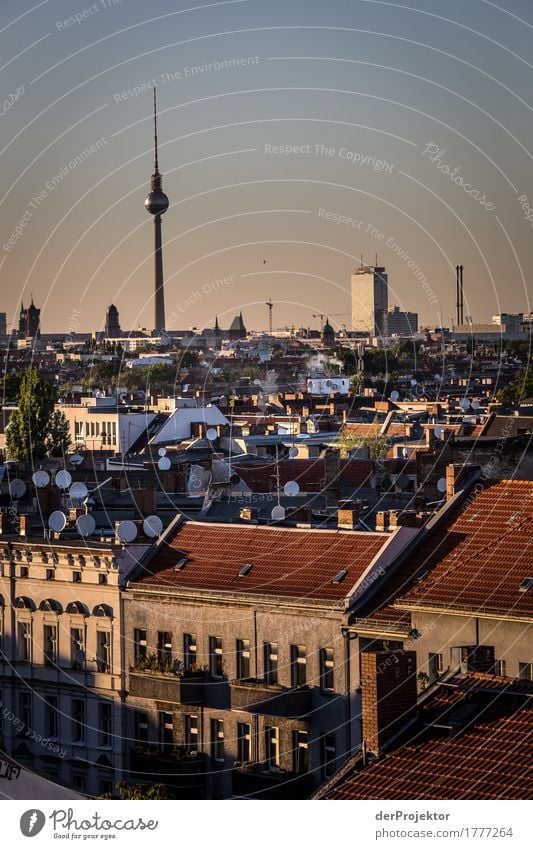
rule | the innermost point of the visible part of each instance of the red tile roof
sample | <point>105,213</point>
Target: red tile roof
<point>489,757</point>
<point>286,561</point>
<point>481,555</point>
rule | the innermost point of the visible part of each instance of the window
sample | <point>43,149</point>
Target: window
<point>435,664</point>
<point>76,577</point>
<point>525,671</point>
<point>191,733</point>
<point>103,651</point>
<point>51,716</point>
<point>25,712</point>
<point>166,730</point>
<point>24,641</point>
<point>102,578</point>
<point>271,663</point>
<point>77,647</point>
<point>141,726</point>
<point>244,742</point>
<point>272,745</point>
<point>243,658</point>
<point>24,571</point>
<point>78,720</point>
<point>189,650</point>
<point>50,645</point>
<point>105,787</point>
<point>329,755</point>
<point>215,656</point>
<point>50,574</point>
<point>326,669</point>
<point>164,648</point>
<point>298,666</point>
<point>500,668</point>
<point>79,781</point>
<point>217,740</point>
<point>300,751</point>
<point>104,723</point>
<point>139,644</point>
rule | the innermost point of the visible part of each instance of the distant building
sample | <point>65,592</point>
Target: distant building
<point>511,321</point>
<point>327,335</point>
<point>3,325</point>
<point>29,321</point>
<point>400,323</point>
<point>112,323</point>
<point>237,329</point>
<point>370,299</point>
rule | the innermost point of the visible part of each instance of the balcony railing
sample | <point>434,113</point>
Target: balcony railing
<point>261,783</point>
<point>256,696</point>
<point>186,689</point>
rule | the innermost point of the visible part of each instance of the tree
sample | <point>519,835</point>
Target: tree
<point>377,444</point>
<point>58,442</point>
<point>520,389</point>
<point>34,427</point>
<point>142,791</point>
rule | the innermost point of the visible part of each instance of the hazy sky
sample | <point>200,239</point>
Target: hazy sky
<point>389,105</point>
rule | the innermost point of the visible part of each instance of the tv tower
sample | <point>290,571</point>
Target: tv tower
<point>157,203</point>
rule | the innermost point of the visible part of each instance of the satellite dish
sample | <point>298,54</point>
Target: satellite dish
<point>439,430</point>
<point>293,452</point>
<point>257,382</point>
<point>152,526</point>
<point>163,464</point>
<point>78,491</point>
<point>211,434</point>
<point>402,481</point>
<point>162,452</point>
<point>475,405</point>
<point>394,395</point>
<point>278,513</point>
<point>76,460</point>
<point>17,488</point>
<point>464,404</point>
<point>414,382</point>
<point>234,479</point>
<point>63,479</point>
<point>441,484</point>
<point>57,521</point>
<point>127,531</point>
<point>437,377</point>
<point>40,479</point>
<point>291,489</point>
<point>85,525</point>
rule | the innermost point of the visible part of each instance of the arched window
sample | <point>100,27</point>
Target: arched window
<point>78,607</point>
<point>103,610</point>
<point>51,605</point>
<point>22,602</point>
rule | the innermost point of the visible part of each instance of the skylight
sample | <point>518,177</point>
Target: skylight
<point>526,585</point>
<point>340,576</point>
<point>245,569</point>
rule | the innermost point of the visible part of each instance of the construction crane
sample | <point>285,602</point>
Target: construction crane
<point>323,315</point>
<point>269,304</point>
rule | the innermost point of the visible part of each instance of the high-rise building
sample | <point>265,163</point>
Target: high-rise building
<point>112,323</point>
<point>29,321</point>
<point>157,203</point>
<point>3,325</point>
<point>370,299</point>
<point>400,323</point>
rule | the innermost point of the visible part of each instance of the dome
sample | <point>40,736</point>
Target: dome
<point>156,203</point>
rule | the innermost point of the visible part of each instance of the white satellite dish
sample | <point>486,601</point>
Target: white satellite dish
<point>464,404</point>
<point>278,513</point>
<point>293,452</point>
<point>211,434</point>
<point>163,464</point>
<point>437,376</point>
<point>85,525</point>
<point>162,452</point>
<point>414,382</point>
<point>63,479</point>
<point>439,430</point>
<point>394,395</point>
<point>291,489</point>
<point>17,488</point>
<point>78,491</point>
<point>127,531</point>
<point>57,521</point>
<point>76,460</point>
<point>475,405</point>
<point>152,526</point>
<point>40,478</point>
<point>257,382</point>
<point>441,484</point>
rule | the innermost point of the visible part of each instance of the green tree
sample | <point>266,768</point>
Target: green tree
<point>58,441</point>
<point>142,791</point>
<point>10,386</point>
<point>520,389</point>
<point>33,427</point>
<point>377,444</point>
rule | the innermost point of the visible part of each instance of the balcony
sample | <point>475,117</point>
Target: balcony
<point>185,689</point>
<point>258,782</point>
<point>184,773</point>
<point>254,696</point>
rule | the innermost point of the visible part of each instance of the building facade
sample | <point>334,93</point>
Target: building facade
<point>370,299</point>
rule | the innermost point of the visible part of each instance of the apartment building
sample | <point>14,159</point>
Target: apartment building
<point>61,671</point>
<point>241,678</point>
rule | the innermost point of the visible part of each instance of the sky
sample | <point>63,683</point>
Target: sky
<point>295,137</point>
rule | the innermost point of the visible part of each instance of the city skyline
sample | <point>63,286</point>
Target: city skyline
<point>289,149</point>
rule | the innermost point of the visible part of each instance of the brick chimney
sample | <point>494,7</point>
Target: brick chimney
<point>454,475</point>
<point>388,681</point>
<point>25,525</point>
<point>348,514</point>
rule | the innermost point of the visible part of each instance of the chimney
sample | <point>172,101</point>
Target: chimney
<point>145,501</point>
<point>348,515</point>
<point>5,523</point>
<point>430,436</point>
<point>25,525</point>
<point>454,474</point>
<point>332,477</point>
<point>382,520</point>
<point>249,514</point>
<point>389,693</point>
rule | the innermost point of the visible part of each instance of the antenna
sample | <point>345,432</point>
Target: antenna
<point>211,434</point>
<point>63,479</point>
<point>57,521</point>
<point>152,526</point>
<point>127,531</point>
<point>291,489</point>
<point>17,488</point>
<point>164,464</point>
<point>78,491</point>
<point>457,300</point>
<point>156,163</point>
<point>40,479</point>
<point>278,513</point>
<point>270,306</point>
<point>85,525</point>
<point>462,295</point>
<point>441,484</point>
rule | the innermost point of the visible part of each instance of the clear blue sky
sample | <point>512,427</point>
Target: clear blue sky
<point>384,100</point>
